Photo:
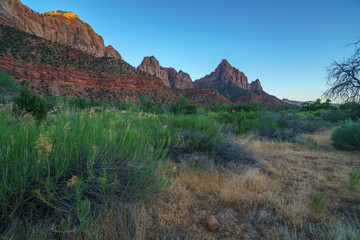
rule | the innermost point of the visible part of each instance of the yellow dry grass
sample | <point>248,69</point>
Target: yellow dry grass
<point>266,203</point>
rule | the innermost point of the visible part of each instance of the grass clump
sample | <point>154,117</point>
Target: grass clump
<point>76,164</point>
<point>347,136</point>
<point>201,140</point>
<point>318,201</point>
<point>354,179</point>
<point>193,133</point>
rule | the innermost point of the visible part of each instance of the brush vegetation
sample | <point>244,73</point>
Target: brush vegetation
<point>137,170</point>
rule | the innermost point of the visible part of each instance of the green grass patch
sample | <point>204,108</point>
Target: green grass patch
<point>77,163</point>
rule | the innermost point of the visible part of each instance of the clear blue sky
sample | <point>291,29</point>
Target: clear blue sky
<point>287,44</point>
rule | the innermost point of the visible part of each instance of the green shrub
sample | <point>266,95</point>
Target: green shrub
<point>31,103</point>
<point>7,83</point>
<point>102,104</point>
<point>317,105</point>
<point>130,106</point>
<point>352,110</point>
<point>286,126</point>
<point>334,116</point>
<point>182,107</point>
<point>193,133</point>
<point>147,105</point>
<point>241,121</point>
<point>80,103</point>
<point>245,107</point>
<point>347,136</point>
<point>354,179</point>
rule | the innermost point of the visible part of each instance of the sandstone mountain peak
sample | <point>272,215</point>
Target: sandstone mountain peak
<point>256,86</point>
<point>67,14</point>
<point>224,62</point>
<point>223,75</point>
<point>170,77</point>
<point>56,26</point>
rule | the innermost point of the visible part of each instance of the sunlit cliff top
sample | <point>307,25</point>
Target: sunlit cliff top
<point>62,13</point>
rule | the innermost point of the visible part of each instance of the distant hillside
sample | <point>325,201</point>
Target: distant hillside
<point>232,92</point>
<point>31,48</point>
<point>239,95</point>
<point>57,69</point>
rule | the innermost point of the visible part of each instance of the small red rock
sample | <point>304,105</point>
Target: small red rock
<point>212,223</point>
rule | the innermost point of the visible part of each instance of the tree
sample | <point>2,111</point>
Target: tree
<point>343,78</point>
<point>31,103</point>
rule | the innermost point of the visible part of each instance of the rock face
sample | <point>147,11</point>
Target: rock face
<point>182,80</point>
<point>223,75</point>
<point>56,26</point>
<point>256,86</point>
<point>170,77</point>
<point>151,65</point>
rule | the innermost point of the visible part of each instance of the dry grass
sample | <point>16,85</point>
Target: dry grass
<point>274,202</point>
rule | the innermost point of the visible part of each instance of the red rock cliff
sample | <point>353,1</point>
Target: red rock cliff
<point>182,81</point>
<point>256,86</point>
<point>64,28</point>
<point>151,65</point>
<point>223,75</point>
<point>60,76</point>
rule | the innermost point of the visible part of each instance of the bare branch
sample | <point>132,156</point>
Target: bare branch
<point>343,78</point>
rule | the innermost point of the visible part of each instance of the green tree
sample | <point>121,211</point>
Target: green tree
<point>29,102</point>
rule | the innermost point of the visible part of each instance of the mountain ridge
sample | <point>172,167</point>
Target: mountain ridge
<point>41,55</point>
<point>55,27</point>
<point>169,76</point>
<point>220,80</point>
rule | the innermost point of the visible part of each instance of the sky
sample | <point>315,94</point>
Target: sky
<point>287,44</point>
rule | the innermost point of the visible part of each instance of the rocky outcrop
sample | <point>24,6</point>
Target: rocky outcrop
<point>256,86</point>
<point>182,80</point>
<point>151,65</point>
<point>170,77</point>
<point>223,75</point>
<point>57,26</point>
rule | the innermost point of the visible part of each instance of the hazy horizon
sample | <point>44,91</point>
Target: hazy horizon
<point>288,46</point>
